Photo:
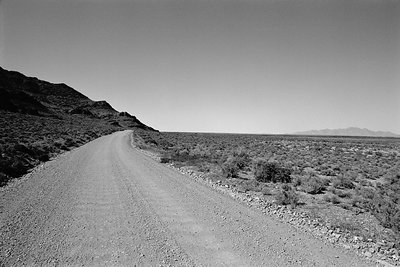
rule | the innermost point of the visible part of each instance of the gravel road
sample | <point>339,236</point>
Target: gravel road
<point>106,203</point>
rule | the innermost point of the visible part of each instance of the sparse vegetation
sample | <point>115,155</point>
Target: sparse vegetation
<point>287,196</point>
<point>235,163</point>
<point>39,119</point>
<point>27,140</point>
<point>311,184</point>
<point>271,172</point>
<point>343,183</point>
<point>384,202</point>
<point>230,168</point>
<point>354,175</point>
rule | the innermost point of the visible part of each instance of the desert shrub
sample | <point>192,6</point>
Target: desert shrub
<point>241,159</point>
<point>328,172</point>
<point>312,184</point>
<point>346,226</point>
<point>13,168</point>
<point>230,168</point>
<point>18,168</point>
<point>296,180</point>
<point>287,196</point>
<point>43,157</point>
<point>204,167</point>
<point>351,175</point>
<point>358,201</point>
<point>251,185</point>
<point>64,147</point>
<point>184,156</point>
<point>271,172</point>
<point>331,198</point>
<point>200,151</point>
<point>69,142</point>
<point>3,179</point>
<point>342,182</point>
<point>345,206</point>
<point>22,148</point>
<point>165,158</point>
<point>364,182</point>
<point>233,164</point>
<point>366,192</point>
<point>266,191</point>
<point>386,211</point>
<point>5,165</point>
<point>383,202</point>
<point>58,143</point>
<point>342,193</point>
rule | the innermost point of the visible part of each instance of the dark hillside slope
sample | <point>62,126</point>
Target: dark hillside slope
<point>39,119</point>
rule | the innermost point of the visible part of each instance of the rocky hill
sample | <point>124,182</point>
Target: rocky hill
<point>39,119</point>
<point>351,131</point>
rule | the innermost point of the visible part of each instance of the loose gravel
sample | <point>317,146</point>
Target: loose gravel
<point>106,203</point>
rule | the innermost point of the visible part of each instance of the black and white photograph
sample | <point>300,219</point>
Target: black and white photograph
<point>200,133</point>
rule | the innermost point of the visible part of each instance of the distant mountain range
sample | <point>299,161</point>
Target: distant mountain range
<point>351,131</point>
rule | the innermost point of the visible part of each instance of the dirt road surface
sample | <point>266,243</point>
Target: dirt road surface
<point>107,204</point>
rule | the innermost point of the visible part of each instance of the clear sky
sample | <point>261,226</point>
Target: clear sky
<point>247,66</point>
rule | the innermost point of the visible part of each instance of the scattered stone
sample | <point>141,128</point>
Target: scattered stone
<point>301,219</point>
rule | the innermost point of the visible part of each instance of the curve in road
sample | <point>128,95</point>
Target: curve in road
<point>106,203</point>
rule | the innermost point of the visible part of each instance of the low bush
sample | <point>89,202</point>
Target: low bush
<point>23,149</point>
<point>331,198</point>
<point>383,202</point>
<point>165,158</point>
<point>345,205</point>
<point>358,201</point>
<point>271,172</point>
<point>287,196</point>
<point>19,168</point>
<point>342,182</point>
<point>233,164</point>
<point>204,167</point>
<point>296,180</point>
<point>313,184</point>
<point>251,185</point>
<point>241,159</point>
<point>266,191</point>
<point>230,168</point>
<point>386,211</point>
<point>44,157</point>
<point>14,168</point>
<point>342,193</point>
<point>3,179</point>
<point>69,142</point>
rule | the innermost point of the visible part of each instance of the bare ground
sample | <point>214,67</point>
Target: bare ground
<point>105,203</point>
